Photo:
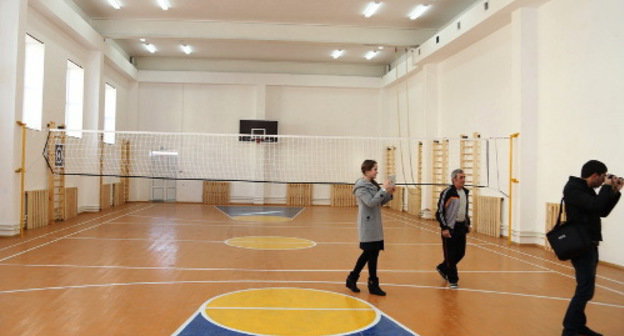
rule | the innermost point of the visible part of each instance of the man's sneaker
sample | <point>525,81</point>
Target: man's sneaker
<point>441,273</point>
<point>453,285</point>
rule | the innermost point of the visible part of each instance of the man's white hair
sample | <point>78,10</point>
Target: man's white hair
<point>455,173</point>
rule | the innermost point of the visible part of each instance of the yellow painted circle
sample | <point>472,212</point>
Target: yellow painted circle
<point>290,312</point>
<point>271,219</point>
<point>270,243</point>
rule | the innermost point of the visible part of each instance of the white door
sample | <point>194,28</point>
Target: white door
<point>164,167</point>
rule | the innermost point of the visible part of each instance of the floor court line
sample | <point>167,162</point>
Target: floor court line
<point>223,241</point>
<point>63,229</point>
<point>523,261</point>
<point>63,237</point>
<point>185,282</point>
<point>173,268</point>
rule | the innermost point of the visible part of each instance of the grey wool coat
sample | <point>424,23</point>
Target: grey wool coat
<point>370,199</point>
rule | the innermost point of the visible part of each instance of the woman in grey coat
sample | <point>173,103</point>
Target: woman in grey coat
<point>370,197</point>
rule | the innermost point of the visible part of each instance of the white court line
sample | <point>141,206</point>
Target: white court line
<point>484,242</point>
<point>288,308</point>
<point>520,260</point>
<point>220,221</point>
<point>262,225</point>
<point>173,268</point>
<point>549,261</point>
<point>164,240</point>
<point>63,237</point>
<point>184,282</point>
<point>64,229</point>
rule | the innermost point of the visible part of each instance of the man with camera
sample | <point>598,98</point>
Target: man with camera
<point>585,207</point>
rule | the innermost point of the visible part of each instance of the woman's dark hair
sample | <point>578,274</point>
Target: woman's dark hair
<point>369,165</point>
<point>593,166</point>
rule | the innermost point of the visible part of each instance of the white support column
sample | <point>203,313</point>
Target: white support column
<point>93,119</point>
<point>12,34</point>
<point>432,120</point>
<point>261,190</point>
<point>525,113</point>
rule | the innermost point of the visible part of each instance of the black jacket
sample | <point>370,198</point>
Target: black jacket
<point>584,206</point>
<point>446,214</point>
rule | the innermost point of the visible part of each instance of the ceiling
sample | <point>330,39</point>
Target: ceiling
<point>261,31</point>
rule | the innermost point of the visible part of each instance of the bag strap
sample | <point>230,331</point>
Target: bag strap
<point>560,212</point>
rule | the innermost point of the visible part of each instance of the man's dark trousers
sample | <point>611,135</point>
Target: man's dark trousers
<point>454,250</point>
<point>585,269</point>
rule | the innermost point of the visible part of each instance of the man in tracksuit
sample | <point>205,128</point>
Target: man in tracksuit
<point>454,222</point>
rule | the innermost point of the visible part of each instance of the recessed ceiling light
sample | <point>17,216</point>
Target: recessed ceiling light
<point>164,4</point>
<point>142,39</point>
<point>371,54</point>
<point>380,47</point>
<point>372,8</point>
<point>114,3</point>
<point>150,47</point>
<point>337,53</point>
<point>186,48</point>
<point>418,11</point>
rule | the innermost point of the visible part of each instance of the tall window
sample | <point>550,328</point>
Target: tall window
<point>74,98</point>
<point>110,109</point>
<point>33,83</point>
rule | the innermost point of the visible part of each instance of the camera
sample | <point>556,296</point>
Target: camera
<point>615,179</point>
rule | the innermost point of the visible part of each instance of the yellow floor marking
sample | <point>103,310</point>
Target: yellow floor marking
<point>290,312</point>
<point>270,243</point>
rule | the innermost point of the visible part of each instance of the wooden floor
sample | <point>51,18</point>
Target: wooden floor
<point>145,269</point>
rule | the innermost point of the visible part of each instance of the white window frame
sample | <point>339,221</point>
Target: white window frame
<point>74,99</point>
<point>32,104</point>
<point>110,112</point>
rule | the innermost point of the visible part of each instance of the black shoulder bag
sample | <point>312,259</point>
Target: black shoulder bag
<point>568,239</point>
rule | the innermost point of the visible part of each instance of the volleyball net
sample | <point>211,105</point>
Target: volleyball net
<point>273,159</point>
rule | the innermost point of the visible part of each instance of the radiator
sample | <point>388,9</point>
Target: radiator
<point>414,201</point>
<point>552,211</point>
<point>105,196</point>
<point>342,196</point>
<point>488,215</point>
<point>118,194</point>
<point>397,199</point>
<point>216,193</point>
<point>71,202</point>
<point>299,194</point>
<point>37,209</point>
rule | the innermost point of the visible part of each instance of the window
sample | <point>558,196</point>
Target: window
<point>33,83</point>
<point>74,99</point>
<point>110,109</point>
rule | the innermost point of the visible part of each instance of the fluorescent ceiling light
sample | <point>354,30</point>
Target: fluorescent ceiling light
<point>150,47</point>
<point>164,4</point>
<point>142,39</point>
<point>114,3</point>
<point>186,48</point>
<point>337,53</point>
<point>372,8</point>
<point>369,55</point>
<point>164,153</point>
<point>418,11</point>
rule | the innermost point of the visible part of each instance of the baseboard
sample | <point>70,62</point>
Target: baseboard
<point>8,229</point>
<point>89,208</point>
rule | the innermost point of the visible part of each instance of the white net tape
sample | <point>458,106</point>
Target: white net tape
<point>223,157</point>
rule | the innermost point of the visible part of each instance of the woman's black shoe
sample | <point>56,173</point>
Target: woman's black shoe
<point>352,282</point>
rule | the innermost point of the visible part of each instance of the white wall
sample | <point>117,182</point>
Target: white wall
<point>217,108</point>
<point>579,101</point>
<point>59,47</point>
<point>581,105</point>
